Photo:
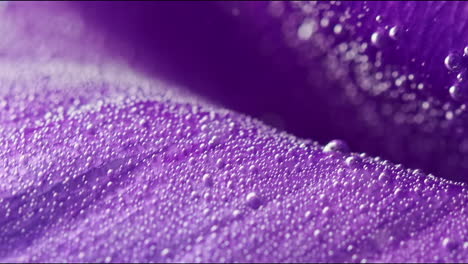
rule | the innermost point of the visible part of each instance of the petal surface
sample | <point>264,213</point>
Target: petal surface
<point>107,164</point>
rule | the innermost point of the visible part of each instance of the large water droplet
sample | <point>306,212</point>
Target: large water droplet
<point>378,18</point>
<point>208,180</point>
<point>377,39</point>
<point>253,200</point>
<point>351,161</point>
<point>456,92</point>
<point>395,32</point>
<point>452,62</point>
<point>306,29</point>
<point>336,145</point>
<point>449,244</point>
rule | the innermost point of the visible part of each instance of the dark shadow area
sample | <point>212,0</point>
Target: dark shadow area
<point>205,47</point>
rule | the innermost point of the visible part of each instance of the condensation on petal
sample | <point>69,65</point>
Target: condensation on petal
<point>103,164</point>
<point>87,180</point>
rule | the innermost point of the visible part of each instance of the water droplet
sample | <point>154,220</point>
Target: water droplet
<point>395,32</point>
<point>165,252</point>
<point>383,176</point>
<point>397,191</point>
<point>450,244</point>
<point>208,180</point>
<point>377,39</point>
<point>325,210</point>
<point>336,145</point>
<point>351,161</point>
<point>253,200</point>
<point>316,232</point>
<point>445,242</point>
<point>324,22</point>
<point>236,213</point>
<point>452,62</point>
<point>456,92</point>
<point>462,76</point>
<point>337,29</point>
<point>142,122</point>
<point>449,115</point>
<point>306,29</point>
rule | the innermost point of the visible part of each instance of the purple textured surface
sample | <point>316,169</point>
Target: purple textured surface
<point>117,146</point>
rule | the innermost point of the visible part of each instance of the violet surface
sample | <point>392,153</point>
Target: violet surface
<point>107,161</point>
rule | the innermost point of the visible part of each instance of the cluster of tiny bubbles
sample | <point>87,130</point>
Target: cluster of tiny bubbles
<point>371,77</point>
<point>359,68</point>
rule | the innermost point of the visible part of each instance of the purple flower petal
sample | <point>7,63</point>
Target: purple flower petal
<point>136,174</point>
<point>107,164</point>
